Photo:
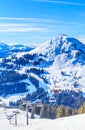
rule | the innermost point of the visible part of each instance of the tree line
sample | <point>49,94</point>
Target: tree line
<point>53,112</point>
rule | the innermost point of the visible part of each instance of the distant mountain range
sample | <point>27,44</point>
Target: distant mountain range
<point>7,50</point>
<point>56,64</point>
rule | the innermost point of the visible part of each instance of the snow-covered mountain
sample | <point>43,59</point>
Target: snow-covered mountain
<point>57,64</point>
<point>64,60</point>
<point>7,50</point>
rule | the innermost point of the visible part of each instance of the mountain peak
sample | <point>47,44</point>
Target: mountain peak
<point>62,37</point>
<point>62,44</point>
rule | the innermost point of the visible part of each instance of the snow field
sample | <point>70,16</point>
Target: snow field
<point>66,123</point>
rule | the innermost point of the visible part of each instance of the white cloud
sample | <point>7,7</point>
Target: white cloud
<point>35,24</point>
<point>22,26</point>
<point>62,2</point>
<point>10,18</point>
<point>14,25</point>
<point>23,30</point>
<point>33,20</point>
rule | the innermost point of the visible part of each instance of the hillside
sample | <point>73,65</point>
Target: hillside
<point>57,64</point>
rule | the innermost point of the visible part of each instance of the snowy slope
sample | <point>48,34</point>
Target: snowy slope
<point>64,61</point>
<point>58,63</point>
<point>67,123</point>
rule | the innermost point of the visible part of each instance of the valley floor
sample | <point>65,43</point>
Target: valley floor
<point>67,123</point>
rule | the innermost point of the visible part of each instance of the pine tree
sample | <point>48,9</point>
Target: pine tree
<point>74,112</point>
<point>49,112</point>
<point>68,111</point>
<point>54,111</point>
<point>33,112</point>
<point>82,109</point>
<point>61,112</point>
<point>45,111</point>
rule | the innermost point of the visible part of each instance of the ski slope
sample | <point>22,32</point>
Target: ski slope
<point>66,123</point>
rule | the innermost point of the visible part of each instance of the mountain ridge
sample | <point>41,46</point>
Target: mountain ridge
<point>56,64</point>
<point>8,50</point>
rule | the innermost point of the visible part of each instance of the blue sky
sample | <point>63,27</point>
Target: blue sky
<point>35,21</point>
